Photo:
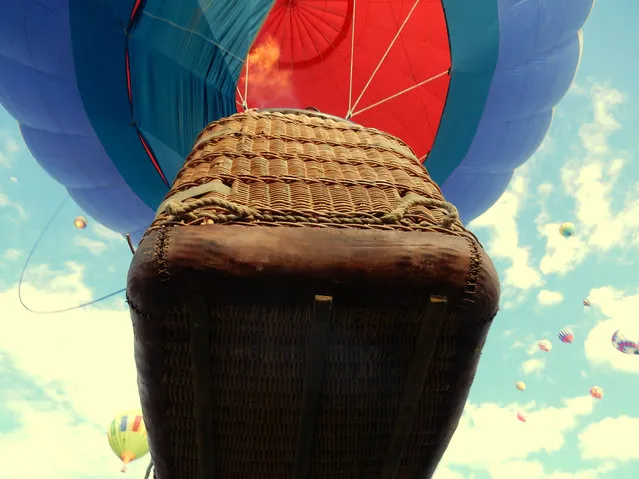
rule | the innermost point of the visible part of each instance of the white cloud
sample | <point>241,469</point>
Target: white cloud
<point>105,232</point>
<point>535,470</point>
<point>89,351</point>
<point>82,361</point>
<point>5,202</point>
<point>51,444</point>
<point>592,178</point>
<point>549,298</point>
<point>12,254</point>
<point>106,239</point>
<point>8,148</point>
<point>533,365</point>
<point>533,348</point>
<point>562,254</point>
<point>446,473</point>
<point>620,309</point>
<point>490,437</point>
<point>530,470</point>
<point>576,89</point>
<point>501,219</point>
<point>545,189</point>
<point>602,440</point>
<point>94,246</point>
<point>11,145</point>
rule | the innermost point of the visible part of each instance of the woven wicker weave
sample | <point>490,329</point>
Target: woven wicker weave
<point>307,169</point>
<point>226,325</point>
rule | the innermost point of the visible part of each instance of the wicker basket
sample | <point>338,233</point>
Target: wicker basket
<point>305,305</point>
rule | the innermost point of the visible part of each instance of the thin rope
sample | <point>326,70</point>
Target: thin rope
<point>350,76</point>
<point>130,243</point>
<point>239,93</point>
<point>147,474</point>
<point>246,82</point>
<point>381,62</point>
<point>28,260</point>
<point>194,33</point>
<point>405,90</point>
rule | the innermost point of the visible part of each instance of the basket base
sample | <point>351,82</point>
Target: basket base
<point>306,353</point>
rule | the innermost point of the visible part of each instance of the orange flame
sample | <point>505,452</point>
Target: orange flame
<point>268,85</point>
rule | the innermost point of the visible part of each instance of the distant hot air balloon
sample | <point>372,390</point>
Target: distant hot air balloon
<point>566,230</point>
<point>566,335</point>
<point>596,392</point>
<point>80,222</point>
<point>623,344</point>
<point>586,302</point>
<point>521,417</point>
<point>545,345</point>
<point>520,385</point>
<point>127,437</point>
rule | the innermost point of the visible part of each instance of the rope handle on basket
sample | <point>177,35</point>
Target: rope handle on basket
<point>178,210</point>
<point>413,199</point>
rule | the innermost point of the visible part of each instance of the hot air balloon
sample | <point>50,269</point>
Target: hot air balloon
<point>545,345</point>
<point>596,392</point>
<point>127,437</point>
<point>456,82</point>
<point>566,335</point>
<point>520,385</point>
<point>521,417</point>
<point>113,96</point>
<point>621,343</point>
<point>567,230</point>
<point>80,222</point>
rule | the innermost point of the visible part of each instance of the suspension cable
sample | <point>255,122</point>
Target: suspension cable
<point>28,260</point>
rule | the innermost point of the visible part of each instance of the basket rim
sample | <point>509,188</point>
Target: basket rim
<point>308,111</point>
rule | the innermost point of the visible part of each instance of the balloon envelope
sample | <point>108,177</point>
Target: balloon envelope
<point>566,335</point>
<point>80,222</point>
<point>545,345</point>
<point>110,96</point>
<point>596,392</point>
<point>127,437</point>
<point>622,344</point>
<point>566,230</point>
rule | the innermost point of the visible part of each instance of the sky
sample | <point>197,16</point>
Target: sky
<point>64,376</point>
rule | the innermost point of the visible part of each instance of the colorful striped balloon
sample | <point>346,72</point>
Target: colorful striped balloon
<point>566,335</point>
<point>623,344</point>
<point>566,230</point>
<point>127,437</point>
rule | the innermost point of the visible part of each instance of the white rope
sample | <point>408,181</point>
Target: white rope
<point>350,76</point>
<point>194,33</point>
<point>246,79</point>
<point>405,90</point>
<point>381,62</point>
<point>239,94</point>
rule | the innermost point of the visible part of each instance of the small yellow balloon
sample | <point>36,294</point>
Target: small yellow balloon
<point>567,230</point>
<point>520,385</point>
<point>80,222</point>
<point>127,437</point>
